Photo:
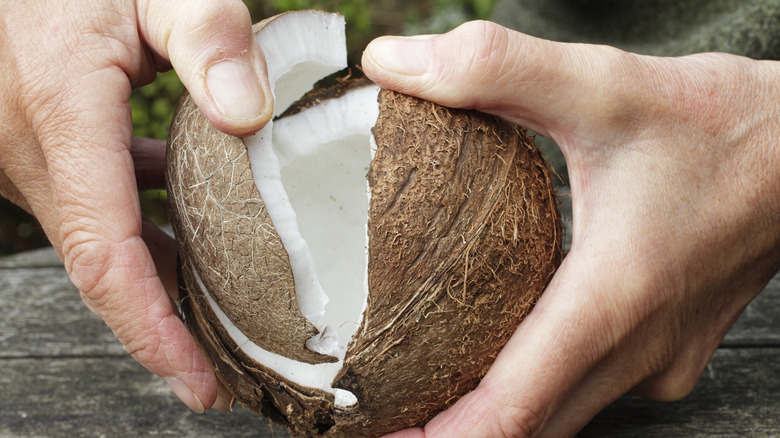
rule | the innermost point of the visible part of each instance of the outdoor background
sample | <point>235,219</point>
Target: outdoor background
<point>153,105</point>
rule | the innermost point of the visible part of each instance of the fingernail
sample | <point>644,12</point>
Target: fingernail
<point>402,55</point>
<point>235,89</point>
<point>225,402</point>
<point>185,394</point>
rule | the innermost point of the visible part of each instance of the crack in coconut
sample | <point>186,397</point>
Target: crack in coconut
<point>310,375</point>
<point>314,187</point>
<point>313,180</point>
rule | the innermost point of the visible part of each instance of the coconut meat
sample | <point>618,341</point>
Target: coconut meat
<point>314,376</point>
<point>324,153</point>
<point>310,171</point>
<point>300,49</point>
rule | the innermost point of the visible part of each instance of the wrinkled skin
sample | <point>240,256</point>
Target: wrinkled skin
<point>675,180</point>
<point>67,156</point>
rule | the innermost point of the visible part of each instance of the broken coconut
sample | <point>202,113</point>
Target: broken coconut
<point>356,266</point>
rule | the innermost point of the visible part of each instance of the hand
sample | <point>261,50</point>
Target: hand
<point>67,157</point>
<point>675,178</point>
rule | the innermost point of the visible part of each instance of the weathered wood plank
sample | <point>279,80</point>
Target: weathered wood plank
<point>66,375</point>
<point>738,396</point>
<point>43,316</point>
<point>107,396</point>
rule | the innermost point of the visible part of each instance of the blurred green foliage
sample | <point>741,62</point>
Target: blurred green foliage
<point>153,104</point>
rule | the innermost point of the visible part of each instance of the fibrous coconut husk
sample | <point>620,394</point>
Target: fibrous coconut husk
<point>222,226</point>
<point>463,237</point>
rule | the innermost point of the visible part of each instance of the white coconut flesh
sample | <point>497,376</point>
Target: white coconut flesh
<point>310,170</point>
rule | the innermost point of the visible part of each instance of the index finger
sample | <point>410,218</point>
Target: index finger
<point>94,188</point>
<point>81,119</point>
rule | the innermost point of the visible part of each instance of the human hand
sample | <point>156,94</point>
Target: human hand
<point>67,157</point>
<point>674,166</point>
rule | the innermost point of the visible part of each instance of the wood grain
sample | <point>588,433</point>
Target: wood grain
<point>66,375</point>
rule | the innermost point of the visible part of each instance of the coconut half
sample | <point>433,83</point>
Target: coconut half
<point>356,266</point>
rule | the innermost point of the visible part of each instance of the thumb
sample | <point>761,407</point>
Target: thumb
<point>484,66</point>
<point>213,50</point>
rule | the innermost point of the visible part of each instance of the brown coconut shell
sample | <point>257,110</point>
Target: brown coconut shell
<point>464,235</point>
<point>222,226</point>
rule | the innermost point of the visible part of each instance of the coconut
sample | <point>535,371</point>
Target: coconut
<point>356,266</point>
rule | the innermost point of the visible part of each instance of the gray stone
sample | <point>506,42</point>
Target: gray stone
<point>655,27</point>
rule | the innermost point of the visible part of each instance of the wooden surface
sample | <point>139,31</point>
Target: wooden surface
<point>65,375</point>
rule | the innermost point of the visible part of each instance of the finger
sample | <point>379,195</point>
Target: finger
<point>484,66</point>
<point>613,377</point>
<point>211,46</point>
<point>673,374</point>
<point>84,132</point>
<point>149,162</point>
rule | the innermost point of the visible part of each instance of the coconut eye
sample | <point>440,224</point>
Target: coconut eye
<point>356,265</point>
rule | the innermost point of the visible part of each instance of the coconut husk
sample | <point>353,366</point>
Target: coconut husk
<point>464,235</point>
<point>223,230</point>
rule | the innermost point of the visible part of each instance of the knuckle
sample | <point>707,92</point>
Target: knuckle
<point>483,35</point>
<point>98,265</point>
<point>41,101</point>
<point>671,385</point>
<point>217,22</point>
<point>518,421</point>
<point>102,270</point>
<point>677,377</point>
<point>465,60</point>
<point>9,191</point>
<point>487,57</point>
<point>87,260</point>
<point>484,51</point>
<point>493,38</point>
